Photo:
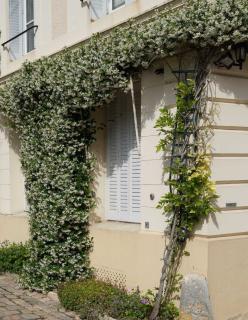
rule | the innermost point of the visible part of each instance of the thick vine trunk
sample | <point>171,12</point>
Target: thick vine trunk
<point>166,263</point>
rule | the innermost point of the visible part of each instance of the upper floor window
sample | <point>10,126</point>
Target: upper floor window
<point>101,8</point>
<point>21,18</point>
<point>115,4</point>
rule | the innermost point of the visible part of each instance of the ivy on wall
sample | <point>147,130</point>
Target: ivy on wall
<point>49,103</point>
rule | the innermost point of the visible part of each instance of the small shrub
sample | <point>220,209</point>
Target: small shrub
<point>91,299</point>
<point>169,311</point>
<point>12,257</point>
<point>73,294</point>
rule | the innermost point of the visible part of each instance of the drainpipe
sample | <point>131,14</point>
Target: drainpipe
<point>135,114</point>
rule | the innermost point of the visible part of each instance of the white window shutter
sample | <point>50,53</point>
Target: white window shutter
<point>113,162</point>
<point>123,173</point>
<point>135,172</point>
<point>15,27</point>
<point>98,8</point>
<point>124,160</point>
<point>129,1</point>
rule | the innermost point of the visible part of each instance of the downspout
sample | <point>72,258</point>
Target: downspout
<point>135,114</point>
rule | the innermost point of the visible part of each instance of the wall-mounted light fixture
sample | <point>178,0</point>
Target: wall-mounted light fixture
<point>147,225</point>
<point>231,205</point>
<point>84,3</point>
<point>152,196</point>
<point>235,58</point>
<point>226,61</point>
<point>159,71</point>
<point>240,54</point>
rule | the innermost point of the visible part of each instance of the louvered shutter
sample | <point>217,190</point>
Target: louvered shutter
<point>98,8</point>
<point>135,172</point>
<point>124,161</point>
<point>15,27</point>
<point>123,170</point>
<point>113,161</point>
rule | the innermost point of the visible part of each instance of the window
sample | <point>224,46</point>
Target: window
<point>117,3</point>
<point>100,8</point>
<point>21,17</point>
<point>29,21</point>
<point>123,163</point>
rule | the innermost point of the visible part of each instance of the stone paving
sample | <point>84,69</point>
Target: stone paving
<point>18,304</point>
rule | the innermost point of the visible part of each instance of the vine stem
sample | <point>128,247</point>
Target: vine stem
<point>166,262</point>
<point>135,114</point>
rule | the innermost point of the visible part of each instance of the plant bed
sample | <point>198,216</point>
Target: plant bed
<point>93,299</point>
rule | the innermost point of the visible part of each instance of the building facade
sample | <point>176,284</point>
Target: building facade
<point>126,225</point>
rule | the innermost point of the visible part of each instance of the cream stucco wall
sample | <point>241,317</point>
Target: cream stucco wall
<point>155,93</point>
<point>14,227</point>
<point>228,283</point>
<point>135,255</point>
<point>12,196</point>
<point>5,192</point>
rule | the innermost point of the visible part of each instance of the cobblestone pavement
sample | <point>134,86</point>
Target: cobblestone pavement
<point>18,304</point>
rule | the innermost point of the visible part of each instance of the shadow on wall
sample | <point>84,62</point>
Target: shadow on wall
<point>12,197</point>
<point>229,85</point>
<point>98,149</point>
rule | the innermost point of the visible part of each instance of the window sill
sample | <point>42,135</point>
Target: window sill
<point>21,214</point>
<point>117,226</point>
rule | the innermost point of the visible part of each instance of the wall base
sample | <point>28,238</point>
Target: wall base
<point>14,228</point>
<point>126,255</point>
<point>133,258</point>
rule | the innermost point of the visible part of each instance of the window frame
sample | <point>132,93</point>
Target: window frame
<point>118,8</point>
<point>26,40</point>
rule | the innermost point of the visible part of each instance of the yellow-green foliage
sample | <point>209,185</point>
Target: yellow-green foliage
<point>193,195</point>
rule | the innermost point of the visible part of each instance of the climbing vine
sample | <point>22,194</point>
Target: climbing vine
<point>50,103</point>
<point>192,196</point>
